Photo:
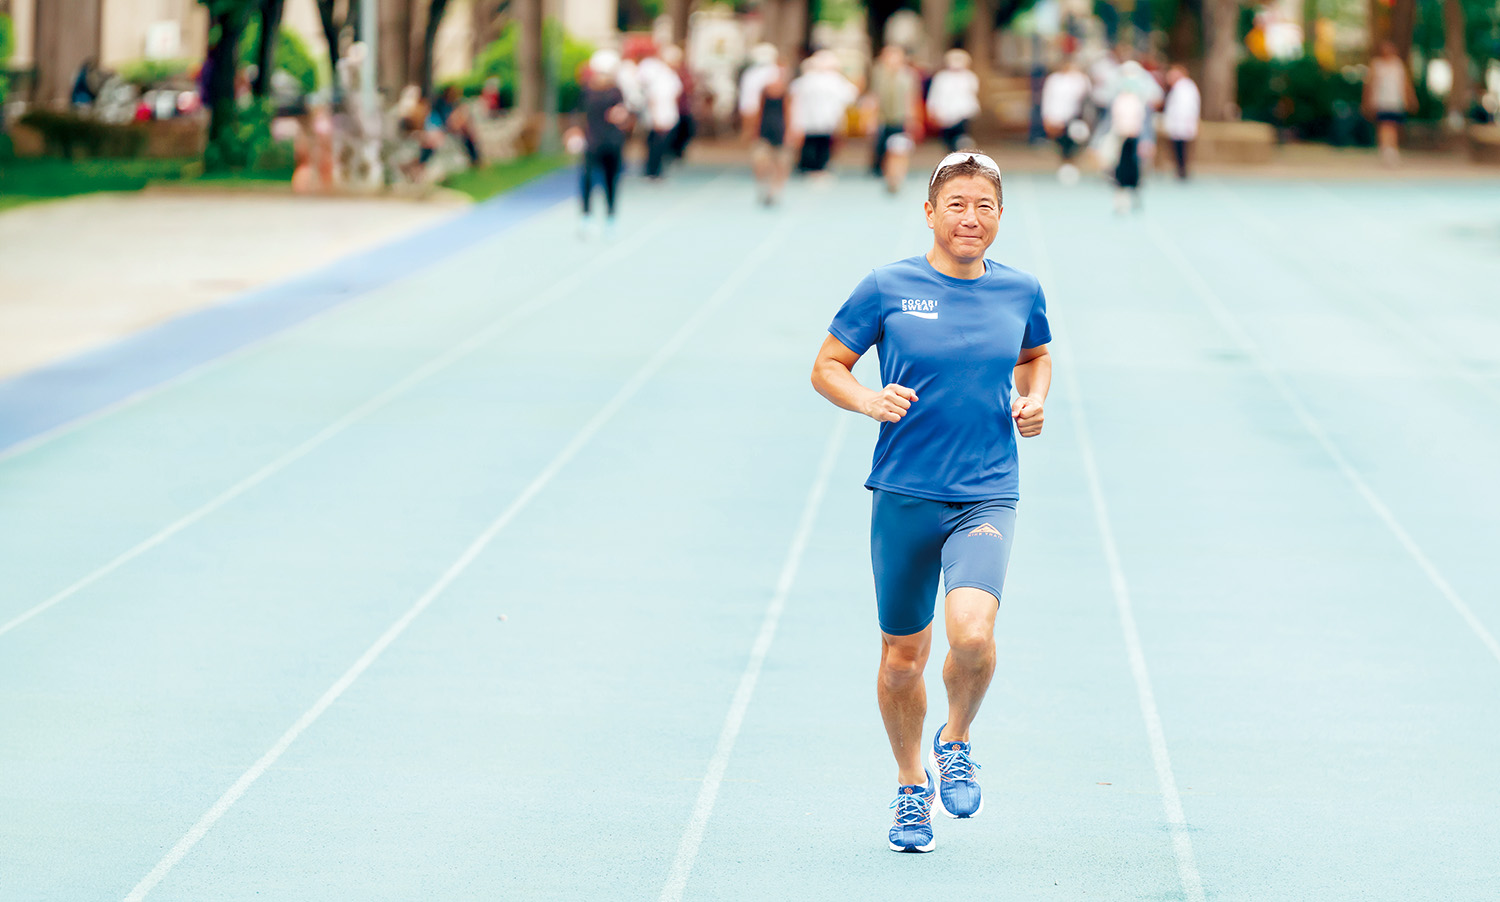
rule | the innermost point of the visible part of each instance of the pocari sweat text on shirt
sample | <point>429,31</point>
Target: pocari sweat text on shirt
<point>955,343</point>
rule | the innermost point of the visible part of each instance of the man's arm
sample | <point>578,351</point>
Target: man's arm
<point>832,376</point>
<point>1033,377</point>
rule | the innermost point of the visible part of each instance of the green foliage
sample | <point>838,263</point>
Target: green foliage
<point>67,135</point>
<point>291,54</point>
<point>35,178</point>
<point>487,181</point>
<point>1315,104</point>
<point>246,145</point>
<point>150,73</point>
<point>498,60</point>
<point>840,12</point>
<point>7,47</point>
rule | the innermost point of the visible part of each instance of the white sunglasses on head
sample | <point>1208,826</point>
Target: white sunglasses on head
<point>953,159</point>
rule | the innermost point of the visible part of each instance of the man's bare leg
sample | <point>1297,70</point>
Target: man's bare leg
<point>970,621</point>
<point>903,700</point>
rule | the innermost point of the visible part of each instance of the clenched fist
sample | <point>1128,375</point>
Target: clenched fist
<point>890,403</point>
<point>1027,412</point>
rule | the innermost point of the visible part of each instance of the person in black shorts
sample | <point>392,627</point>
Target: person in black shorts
<point>772,155</point>
<point>606,120</point>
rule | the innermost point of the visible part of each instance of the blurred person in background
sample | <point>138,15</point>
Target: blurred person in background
<point>1179,118</point>
<point>601,138</point>
<point>894,90</point>
<point>953,99</point>
<point>1103,74</point>
<point>771,157</point>
<point>1064,94</point>
<point>662,89</point>
<point>763,69</point>
<point>821,97</point>
<point>1388,98</point>
<point>87,83</point>
<point>1127,120</point>
<point>452,117</point>
<point>687,126</point>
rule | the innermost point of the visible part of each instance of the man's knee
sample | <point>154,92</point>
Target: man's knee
<point>971,624</point>
<point>972,643</point>
<point>902,662</point>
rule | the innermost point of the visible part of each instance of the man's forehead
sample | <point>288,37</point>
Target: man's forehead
<point>964,187</point>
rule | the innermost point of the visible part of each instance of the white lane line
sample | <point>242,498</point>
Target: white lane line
<point>436,365</point>
<point>1231,325</point>
<point>1166,780</point>
<point>1394,322</point>
<point>456,569</point>
<point>708,792</point>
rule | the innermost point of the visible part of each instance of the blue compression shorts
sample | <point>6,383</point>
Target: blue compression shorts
<point>912,539</point>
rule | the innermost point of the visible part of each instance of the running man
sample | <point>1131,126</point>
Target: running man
<point>954,331</point>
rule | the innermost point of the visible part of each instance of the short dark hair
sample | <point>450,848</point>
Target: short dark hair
<point>966,167</point>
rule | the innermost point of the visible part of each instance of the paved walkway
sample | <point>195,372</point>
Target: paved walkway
<point>79,273</point>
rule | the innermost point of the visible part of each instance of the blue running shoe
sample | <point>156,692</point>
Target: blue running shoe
<point>912,831</point>
<point>958,791</point>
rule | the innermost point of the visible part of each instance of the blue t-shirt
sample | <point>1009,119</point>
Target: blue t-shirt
<point>954,342</point>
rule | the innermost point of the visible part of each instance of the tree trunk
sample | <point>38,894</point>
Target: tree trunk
<point>1403,26</point>
<point>791,37</point>
<point>679,11</point>
<point>223,62</point>
<point>67,32</point>
<point>981,36</point>
<point>265,54</point>
<point>529,57</point>
<point>395,45</point>
<point>1455,32</point>
<point>1184,39</point>
<point>935,23</point>
<point>331,30</point>
<point>435,12</point>
<point>1220,59</point>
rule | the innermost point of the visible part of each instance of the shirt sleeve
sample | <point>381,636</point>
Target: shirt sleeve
<point>1038,331</point>
<point>858,322</point>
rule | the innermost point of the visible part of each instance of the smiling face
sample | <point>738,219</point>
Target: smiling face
<point>964,216</point>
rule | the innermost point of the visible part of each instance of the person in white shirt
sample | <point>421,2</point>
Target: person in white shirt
<point>661,88</point>
<point>1179,118</point>
<point>953,98</point>
<point>1127,120</point>
<point>764,69</point>
<point>1388,98</point>
<point>821,97</point>
<point>1063,96</point>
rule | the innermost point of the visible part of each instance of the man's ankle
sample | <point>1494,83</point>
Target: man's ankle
<point>948,734</point>
<point>903,778</point>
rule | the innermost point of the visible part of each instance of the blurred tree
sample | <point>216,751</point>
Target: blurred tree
<point>1456,47</point>
<point>436,9</point>
<point>1220,58</point>
<point>265,53</point>
<point>289,54</point>
<point>338,17</point>
<point>227,21</point>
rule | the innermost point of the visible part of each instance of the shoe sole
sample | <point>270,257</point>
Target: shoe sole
<point>927,848</point>
<point>937,797</point>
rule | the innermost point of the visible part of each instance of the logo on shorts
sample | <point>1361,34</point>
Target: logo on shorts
<point>984,529</point>
<point>925,308</point>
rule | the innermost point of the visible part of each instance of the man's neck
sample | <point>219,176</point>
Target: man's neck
<point>955,267</point>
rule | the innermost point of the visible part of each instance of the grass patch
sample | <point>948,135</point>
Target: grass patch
<point>48,177</point>
<point>488,181</point>
<point>24,180</point>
